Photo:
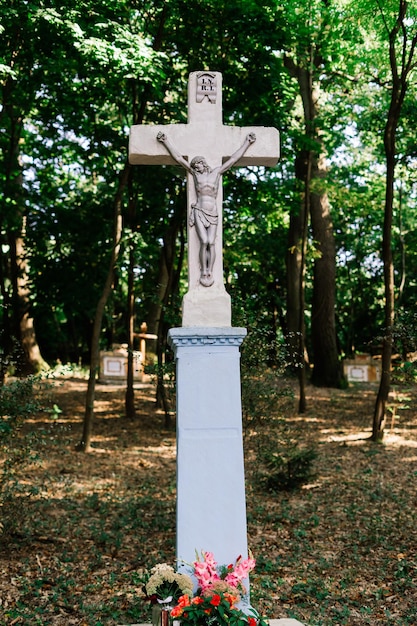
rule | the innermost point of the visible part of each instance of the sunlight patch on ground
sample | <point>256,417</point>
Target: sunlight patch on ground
<point>354,438</point>
<point>65,421</point>
<point>302,418</point>
<point>392,439</point>
<point>396,439</point>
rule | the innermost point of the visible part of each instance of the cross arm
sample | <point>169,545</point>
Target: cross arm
<point>216,143</point>
<point>144,147</point>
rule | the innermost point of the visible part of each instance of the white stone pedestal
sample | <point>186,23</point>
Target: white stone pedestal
<point>211,506</point>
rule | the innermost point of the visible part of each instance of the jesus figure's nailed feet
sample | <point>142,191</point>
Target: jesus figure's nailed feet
<point>206,280</point>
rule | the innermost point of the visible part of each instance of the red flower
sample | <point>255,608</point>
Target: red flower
<point>251,621</point>
<point>183,602</point>
<point>215,600</point>
<point>231,600</point>
<point>197,600</point>
<point>176,611</point>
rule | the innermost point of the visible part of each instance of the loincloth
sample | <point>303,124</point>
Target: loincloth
<point>207,219</point>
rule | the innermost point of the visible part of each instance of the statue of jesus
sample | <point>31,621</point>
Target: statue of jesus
<point>204,215</point>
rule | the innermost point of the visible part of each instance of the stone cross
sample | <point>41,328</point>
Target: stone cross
<point>211,506</point>
<point>205,148</point>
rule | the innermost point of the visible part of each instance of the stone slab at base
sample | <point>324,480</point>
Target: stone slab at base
<point>285,621</point>
<point>205,307</point>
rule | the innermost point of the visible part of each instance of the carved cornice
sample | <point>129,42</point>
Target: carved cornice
<point>194,337</point>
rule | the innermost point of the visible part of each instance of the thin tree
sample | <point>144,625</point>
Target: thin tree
<point>130,411</point>
<point>139,108</point>
<point>402,49</point>
<point>139,113</point>
<point>85,444</point>
<point>296,266</point>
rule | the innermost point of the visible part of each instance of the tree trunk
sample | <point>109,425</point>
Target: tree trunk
<point>379,418</point>
<point>170,254</point>
<point>130,393</point>
<point>327,371</point>
<point>297,241</point>
<point>398,93</point>
<point>31,361</point>
<point>20,345</point>
<point>85,443</point>
<point>155,309</point>
<point>138,114</point>
<point>327,367</point>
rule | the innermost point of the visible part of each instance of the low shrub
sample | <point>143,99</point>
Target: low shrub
<point>19,399</point>
<point>284,470</point>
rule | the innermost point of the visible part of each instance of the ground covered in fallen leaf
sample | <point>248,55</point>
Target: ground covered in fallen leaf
<point>80,529</point>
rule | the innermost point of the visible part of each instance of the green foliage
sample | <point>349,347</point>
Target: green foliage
<point>216,609</point>
<point>281,464</point>
<point>67,111</point>
<point>19,400</point>
<point>405,332</point>
<point>285,469</point>
<point>405,347</point>
<point>263,383</point>
<point>88,71</point>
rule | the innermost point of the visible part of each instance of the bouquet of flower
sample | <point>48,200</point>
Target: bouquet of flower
<point>209,574</point>
<point>165,585</point>
<point>219,591</point>
<point>215,609</point>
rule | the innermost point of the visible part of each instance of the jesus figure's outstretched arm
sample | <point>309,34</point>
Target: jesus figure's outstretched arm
<point>249,140</point>
<point>162,137</point>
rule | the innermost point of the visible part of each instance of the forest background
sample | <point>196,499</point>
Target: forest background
<point>320,260</point>
<point>320,251</point>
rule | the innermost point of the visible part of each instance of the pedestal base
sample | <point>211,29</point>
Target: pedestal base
<point>211,506</point>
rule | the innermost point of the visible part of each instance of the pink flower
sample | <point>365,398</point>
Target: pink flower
<point>206,571</point>
<point>240,572</point>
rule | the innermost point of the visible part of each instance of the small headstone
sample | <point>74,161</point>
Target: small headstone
<point>113,365</point>
<point>362,369</point>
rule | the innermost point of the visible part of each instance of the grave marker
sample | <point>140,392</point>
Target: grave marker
<point>204,136</point>
<point>211,505</point>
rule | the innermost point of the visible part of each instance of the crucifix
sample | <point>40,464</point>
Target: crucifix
<point>206,149</point>
<point>211,505</point>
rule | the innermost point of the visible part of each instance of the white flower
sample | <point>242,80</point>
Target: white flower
<point>165,583</point>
